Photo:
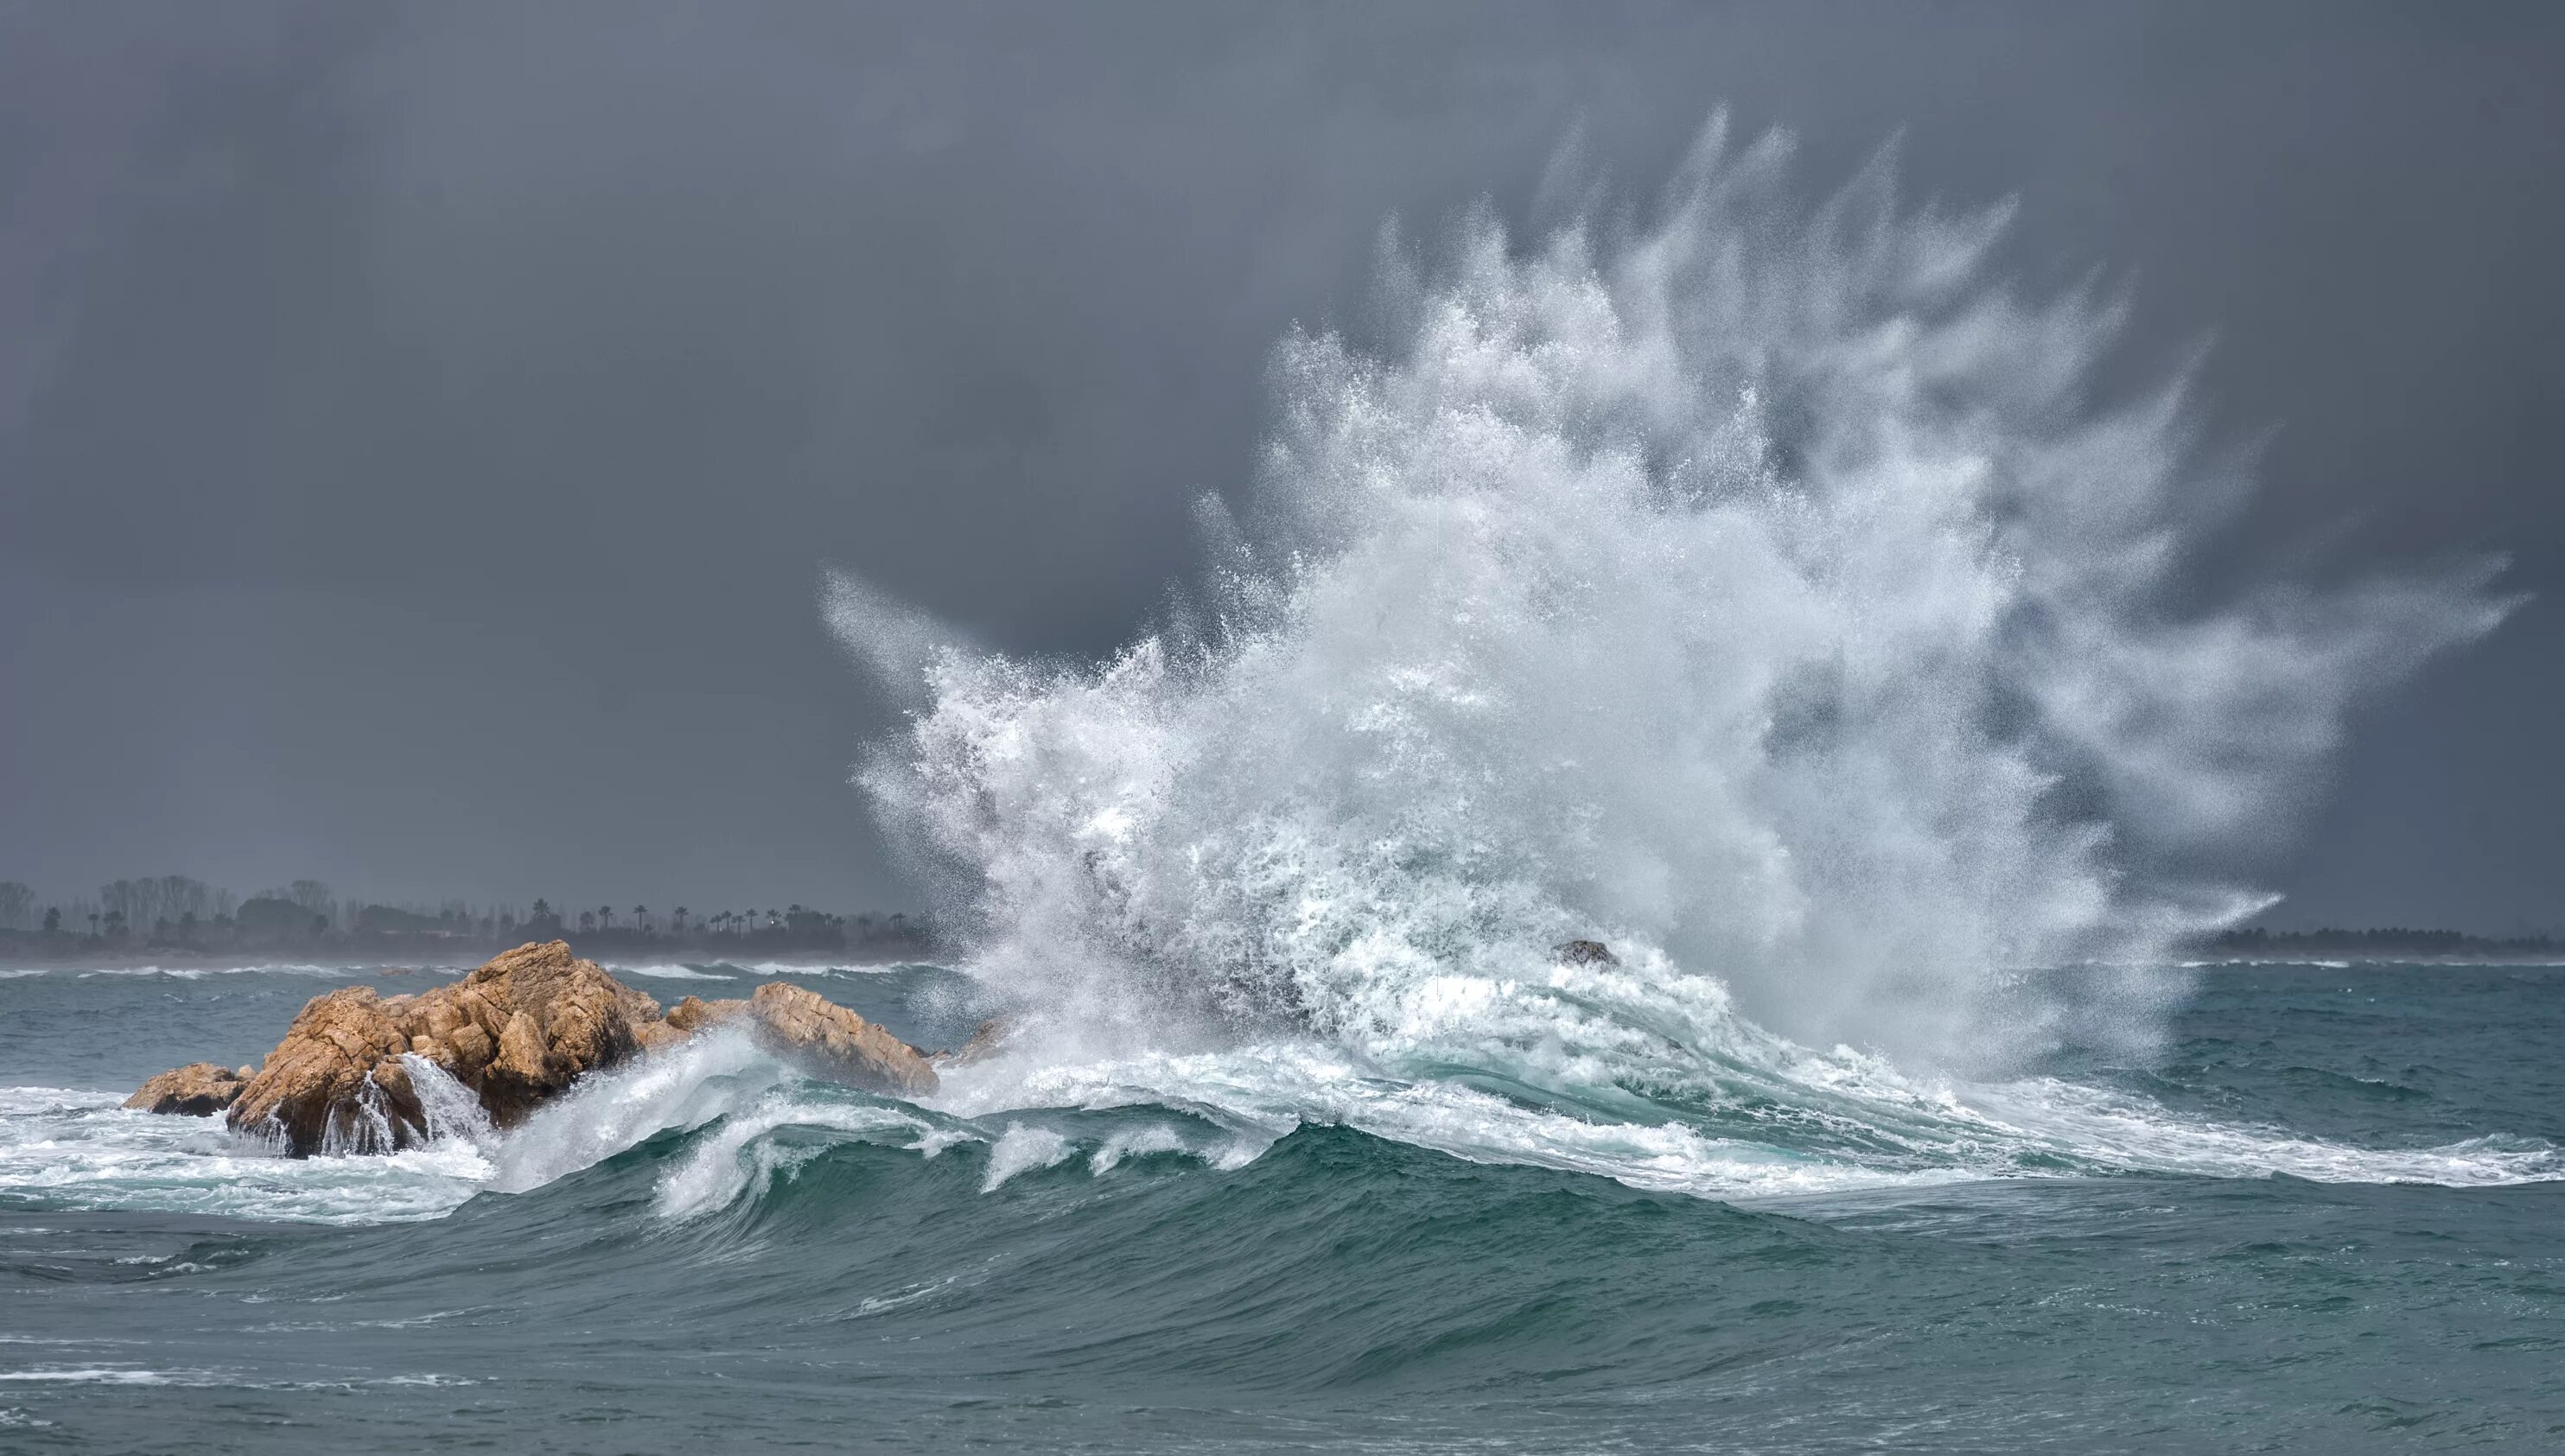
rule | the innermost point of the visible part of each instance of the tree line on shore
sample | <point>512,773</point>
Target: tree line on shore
<point>173,912</point>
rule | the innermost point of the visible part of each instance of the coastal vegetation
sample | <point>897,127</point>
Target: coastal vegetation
<point>177,915</point>
<point>173,914</point>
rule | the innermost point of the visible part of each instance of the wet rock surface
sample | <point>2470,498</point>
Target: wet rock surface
<point>830,1042</point>
<point>515,1033</point>
<point>197,1090</point>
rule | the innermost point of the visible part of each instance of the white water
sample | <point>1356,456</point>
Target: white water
<point>1757,590</point>
<point>1773,1120</point>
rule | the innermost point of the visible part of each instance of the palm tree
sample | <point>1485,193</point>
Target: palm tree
<point>637,922</point>
<point>681,919</point>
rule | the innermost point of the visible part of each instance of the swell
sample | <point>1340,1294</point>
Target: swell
<point>727,1127</point>
<point>1334,1260</point>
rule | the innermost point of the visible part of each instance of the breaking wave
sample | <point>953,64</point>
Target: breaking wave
<point>1759,591</point>
<point>1763,590</point>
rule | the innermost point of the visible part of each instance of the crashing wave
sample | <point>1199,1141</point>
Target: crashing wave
<point>1763,588</point>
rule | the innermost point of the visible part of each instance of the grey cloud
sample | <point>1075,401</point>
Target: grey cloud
<point>425,426</point>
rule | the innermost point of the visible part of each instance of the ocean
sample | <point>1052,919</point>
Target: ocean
<point>2327,1212</point>
<point>1778,593</point>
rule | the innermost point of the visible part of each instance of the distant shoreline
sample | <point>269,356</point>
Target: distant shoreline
<point>624,948</point>
<point>80,952</point>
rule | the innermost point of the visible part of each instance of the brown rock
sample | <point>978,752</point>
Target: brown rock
<point>197,1090</point>
<point>1584,953</point>
<point>656,1036</point>
<point>828,1041</point>
<point>694,1013</point>
<point>516,1033</point>
<point>318,1090</point>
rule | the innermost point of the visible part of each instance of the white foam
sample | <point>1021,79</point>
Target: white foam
<point>112,1376</point>
<point>742,1158</point>
<point>672,972</point>
<point>82,1148</point>
<point>1023,1149</point>
<point>795,968</point>
<point>682,1088</point>
<point>1157,1137</point>
<point>1776,1122</point>
<point>1747,587</point>
<point>198,973</point>
<point>2117,1131</point>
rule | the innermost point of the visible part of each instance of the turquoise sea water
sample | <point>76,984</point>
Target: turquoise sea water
<point>2324,1216</point>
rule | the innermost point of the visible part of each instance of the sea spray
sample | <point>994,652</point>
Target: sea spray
<point>1757,590</point>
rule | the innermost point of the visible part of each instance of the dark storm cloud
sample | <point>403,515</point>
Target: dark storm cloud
<point>425,426</point>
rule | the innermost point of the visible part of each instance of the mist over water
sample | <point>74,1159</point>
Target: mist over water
<point>1755,586</point>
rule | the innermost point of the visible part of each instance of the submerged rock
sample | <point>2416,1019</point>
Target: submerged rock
<point>515,1033</point>
<point>197,1090</point>
<point>984,1042</point>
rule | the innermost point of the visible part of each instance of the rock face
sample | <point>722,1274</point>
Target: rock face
<point>828,1041</point>
<point>515,1033</point>
<point>819,1036</point>
<point>521,1029</point>
<point>335,1081</point>
<point>197,1090</point>
<point>694,1013</point>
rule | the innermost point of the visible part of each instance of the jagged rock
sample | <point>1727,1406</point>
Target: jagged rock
<point>693,1013</point>
<point>515,1033</point>
<point>819,1036</point>
<point>1584,953</point>
<point>319,1087</point>
<point>828,1041</point>
<point>197,1090</point>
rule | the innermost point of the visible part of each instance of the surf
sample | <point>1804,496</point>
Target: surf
<point>1763,588</point>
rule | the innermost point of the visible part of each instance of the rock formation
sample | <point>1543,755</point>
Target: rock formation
<point>335,1081</point>
<point>1584,953</point>
<point>515,1033</point>
<point>818,1036</point>
<point>197,1090</point>
<point>830,1042</point>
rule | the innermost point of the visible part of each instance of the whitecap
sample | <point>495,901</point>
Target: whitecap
<point>1023,1149</point>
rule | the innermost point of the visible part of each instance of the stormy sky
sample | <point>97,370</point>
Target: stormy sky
<point>423,428</point>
